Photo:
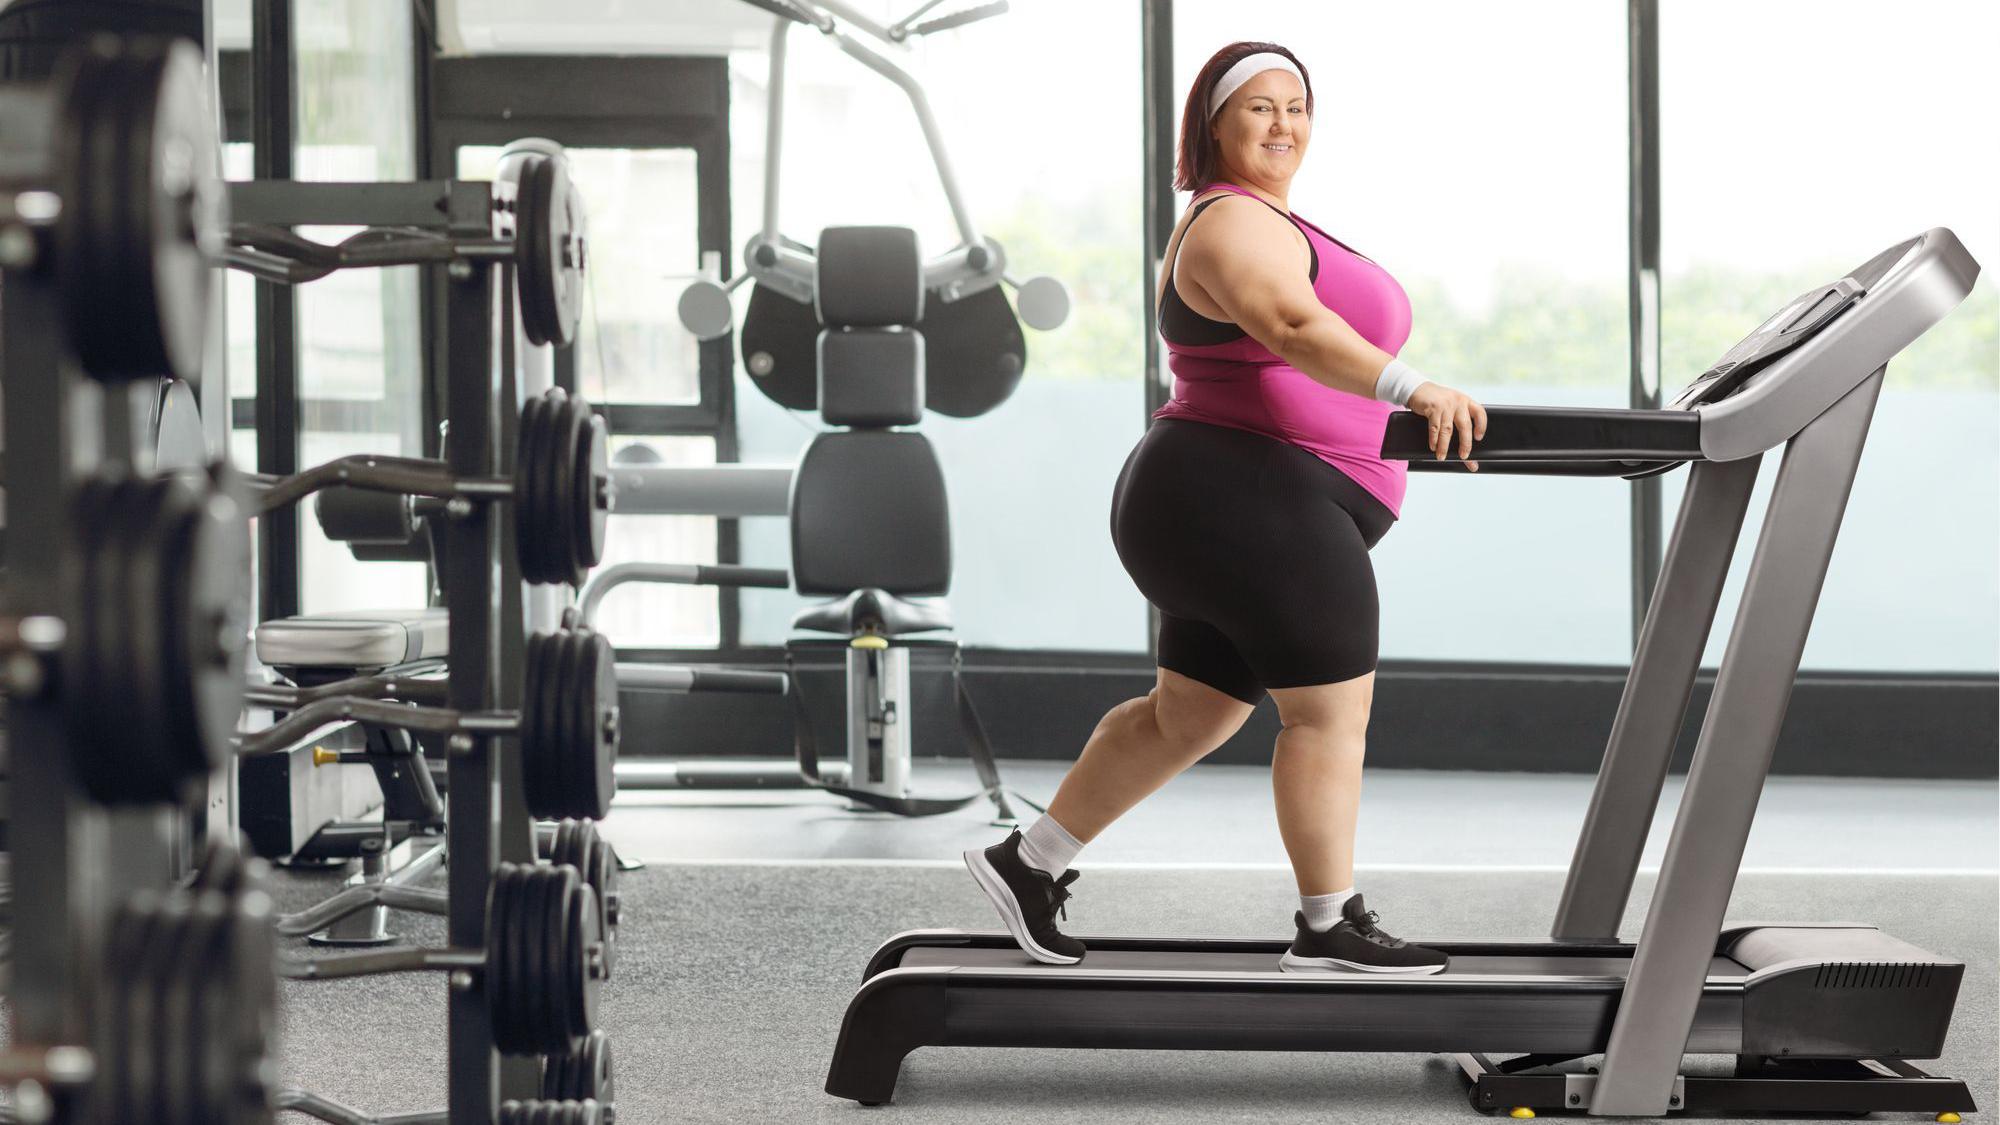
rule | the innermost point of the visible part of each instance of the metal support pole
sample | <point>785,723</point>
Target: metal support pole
<point>47,821</point>
<point>1733,757</point>
<point>1642,21</point>
<point>274,83</point>
<point>1655,701</point>
<point>472,595</point>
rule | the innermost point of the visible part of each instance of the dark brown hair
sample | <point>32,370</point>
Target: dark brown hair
<point>1199,161</point>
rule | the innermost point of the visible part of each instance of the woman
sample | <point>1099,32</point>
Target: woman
<point>1246,514</point>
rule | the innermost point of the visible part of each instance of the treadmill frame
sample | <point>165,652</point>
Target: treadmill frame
<point>1665,1005</point>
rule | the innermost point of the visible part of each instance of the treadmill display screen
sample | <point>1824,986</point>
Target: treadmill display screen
<point>1781,332</point>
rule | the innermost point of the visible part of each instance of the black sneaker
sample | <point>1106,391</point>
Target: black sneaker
<point>1356,945</point>
<point>1028,899</point>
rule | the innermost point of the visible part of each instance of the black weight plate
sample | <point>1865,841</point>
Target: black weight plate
<point>125,761</point>
<point>93,93</point>
<point>147,657</point>
<point>602,875</point>
<point>200,663</point>
<point>189,209</point>
<point>534,250</point>
<point>170,993</point>
<point>530,507</point>
<point>524,1032</point>
<point>565,519</point>
<point>549,252</point>
<point>544,943</point>
<point>209,586</point>
<point>564,849</point>
<point>505,982</point>
<point>533,710</point>
<point>121,964</point>
<point>552,799</point>
<point>84,601</point>
<point>578,844</point>
<point>584,985</point>
<point>143,207</point>
<point>593,490</point>
<point>597,726</point>
<point>571,235</point>
<point>781,348</point>
<point>595,1079</point>
<point>194,984</point>
<point>583,1074</point>
<point>256,1015</point>
<point>545,799</point>
<point>558,992</point>
<point>223,868</point>
<point>974,353</point>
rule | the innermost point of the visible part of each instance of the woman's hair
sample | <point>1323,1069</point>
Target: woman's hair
<point>1199,160</point>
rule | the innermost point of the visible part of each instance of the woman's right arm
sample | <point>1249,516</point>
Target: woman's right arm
<point>1245,258</point>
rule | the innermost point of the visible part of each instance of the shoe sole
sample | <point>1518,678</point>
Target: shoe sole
<point>1293,964</point>
<point>995,887</point>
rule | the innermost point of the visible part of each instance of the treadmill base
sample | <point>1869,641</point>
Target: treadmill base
<point>1759,1087</point>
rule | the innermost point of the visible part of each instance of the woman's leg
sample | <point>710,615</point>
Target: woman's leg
<point>1139,746</point>
<point>1316,778</point>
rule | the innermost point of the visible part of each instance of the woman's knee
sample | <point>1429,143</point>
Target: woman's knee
<point>1192,715</point>
<point>1337,711</point>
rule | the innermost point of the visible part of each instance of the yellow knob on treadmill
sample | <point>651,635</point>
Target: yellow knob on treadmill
<point>871,640</point>
<point>325,757</point>
<point>1948,1117</point>
<point>1522,1111</point>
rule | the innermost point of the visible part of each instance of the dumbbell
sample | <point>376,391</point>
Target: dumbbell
<point>541,969</point>
<point>146,655</point>
<point>546,245</point>
<point>561,489</point>
<point>568,725</point>
<point>112,186</point>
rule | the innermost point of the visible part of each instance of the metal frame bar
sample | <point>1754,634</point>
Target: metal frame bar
<point>1642,21</point>
<point>273,110</point>
<point>45,816</point>
<point>1733,757</point>
<point>472,595</point>
<point>1654,704</point>
<point>1156,71</point>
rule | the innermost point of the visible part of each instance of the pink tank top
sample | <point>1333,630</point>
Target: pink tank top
<point>1224,377</point>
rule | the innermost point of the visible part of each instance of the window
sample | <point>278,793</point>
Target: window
<point>1766,194</point>
<point>1052,170</point>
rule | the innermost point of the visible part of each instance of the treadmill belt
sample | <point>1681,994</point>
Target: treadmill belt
<point>1170,961</point>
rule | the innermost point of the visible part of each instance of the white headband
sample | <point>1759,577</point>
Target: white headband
<point>1246,68</point>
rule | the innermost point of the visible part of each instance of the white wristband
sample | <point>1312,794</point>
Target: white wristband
<point>1398,382</point>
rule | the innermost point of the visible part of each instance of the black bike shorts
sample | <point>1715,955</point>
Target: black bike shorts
<point>1256,554</point>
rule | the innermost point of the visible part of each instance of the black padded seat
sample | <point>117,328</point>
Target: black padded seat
<point>890,615</point>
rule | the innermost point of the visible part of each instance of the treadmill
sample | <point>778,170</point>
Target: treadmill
<point>1822,1019</point>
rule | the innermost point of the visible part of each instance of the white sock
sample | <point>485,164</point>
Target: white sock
<point>1049,846</point>
<point>1323,911</point>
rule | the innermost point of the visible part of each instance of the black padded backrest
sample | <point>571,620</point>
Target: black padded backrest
<point>871,377</point>
<point>869,510</point>
<point>869,277</point>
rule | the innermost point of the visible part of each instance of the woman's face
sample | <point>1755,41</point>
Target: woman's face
<point>1263,128</point>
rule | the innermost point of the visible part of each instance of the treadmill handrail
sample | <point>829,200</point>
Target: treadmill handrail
<point>1558,434</point>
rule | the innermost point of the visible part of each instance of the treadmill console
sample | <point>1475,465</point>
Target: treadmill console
<point>1786,329</point>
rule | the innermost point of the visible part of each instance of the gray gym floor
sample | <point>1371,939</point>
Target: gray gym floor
<point>745,933</point>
